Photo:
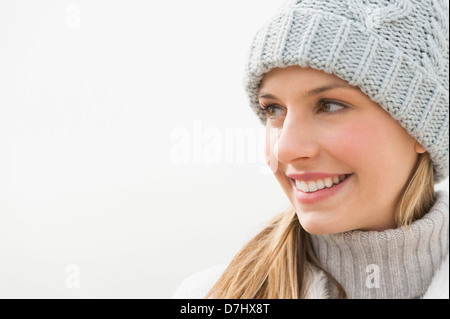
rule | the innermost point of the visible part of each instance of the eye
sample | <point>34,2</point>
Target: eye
<point>330,107</point>
<point>272,110</point>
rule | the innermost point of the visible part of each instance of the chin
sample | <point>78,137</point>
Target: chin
<point>318,225</point>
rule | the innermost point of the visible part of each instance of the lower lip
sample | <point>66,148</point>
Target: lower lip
<point>320,195</point>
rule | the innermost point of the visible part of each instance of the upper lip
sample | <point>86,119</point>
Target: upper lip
<point>314,176</point>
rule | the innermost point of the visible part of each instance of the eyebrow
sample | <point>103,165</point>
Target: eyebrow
<point>314,91</point>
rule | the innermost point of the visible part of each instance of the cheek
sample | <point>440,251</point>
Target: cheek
<point>356,148</point>
<point>377,151</point>
<point>365,148</point>
<point>277,168</point>
<point>271,148</point>
<point>352,144</point>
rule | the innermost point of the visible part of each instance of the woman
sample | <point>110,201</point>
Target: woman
<point>354,97</point>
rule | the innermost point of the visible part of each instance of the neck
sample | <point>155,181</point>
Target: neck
<point>394,263</point>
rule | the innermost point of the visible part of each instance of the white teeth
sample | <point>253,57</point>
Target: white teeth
<point>320,184</point>
<point>304,186</point>
<point>312,186</point>
<point>301,185</point>
<point>328,182</point>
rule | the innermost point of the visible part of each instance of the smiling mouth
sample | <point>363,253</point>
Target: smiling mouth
<point>319,184</point>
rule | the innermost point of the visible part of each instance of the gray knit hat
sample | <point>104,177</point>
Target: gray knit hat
<point>395,51</point>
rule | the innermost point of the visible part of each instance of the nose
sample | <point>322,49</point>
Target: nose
<point>297,140</point>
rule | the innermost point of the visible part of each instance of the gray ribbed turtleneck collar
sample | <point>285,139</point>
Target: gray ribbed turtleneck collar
<point>395,263</point>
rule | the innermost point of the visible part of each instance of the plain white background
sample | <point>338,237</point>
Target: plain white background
<point>113,115</point>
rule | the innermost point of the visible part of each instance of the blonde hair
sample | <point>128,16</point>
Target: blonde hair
<point>276,262</point>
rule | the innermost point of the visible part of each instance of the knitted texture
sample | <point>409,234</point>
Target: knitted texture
<point>404,261</point>
<point>395,51</point>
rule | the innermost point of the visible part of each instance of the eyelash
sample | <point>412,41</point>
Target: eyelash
<point>320,104</point>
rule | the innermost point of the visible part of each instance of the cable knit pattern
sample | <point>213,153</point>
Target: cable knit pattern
<point>406,260</point>
<point>396,52</point>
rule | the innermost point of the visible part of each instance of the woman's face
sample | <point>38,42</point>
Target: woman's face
<point>341,159</point>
